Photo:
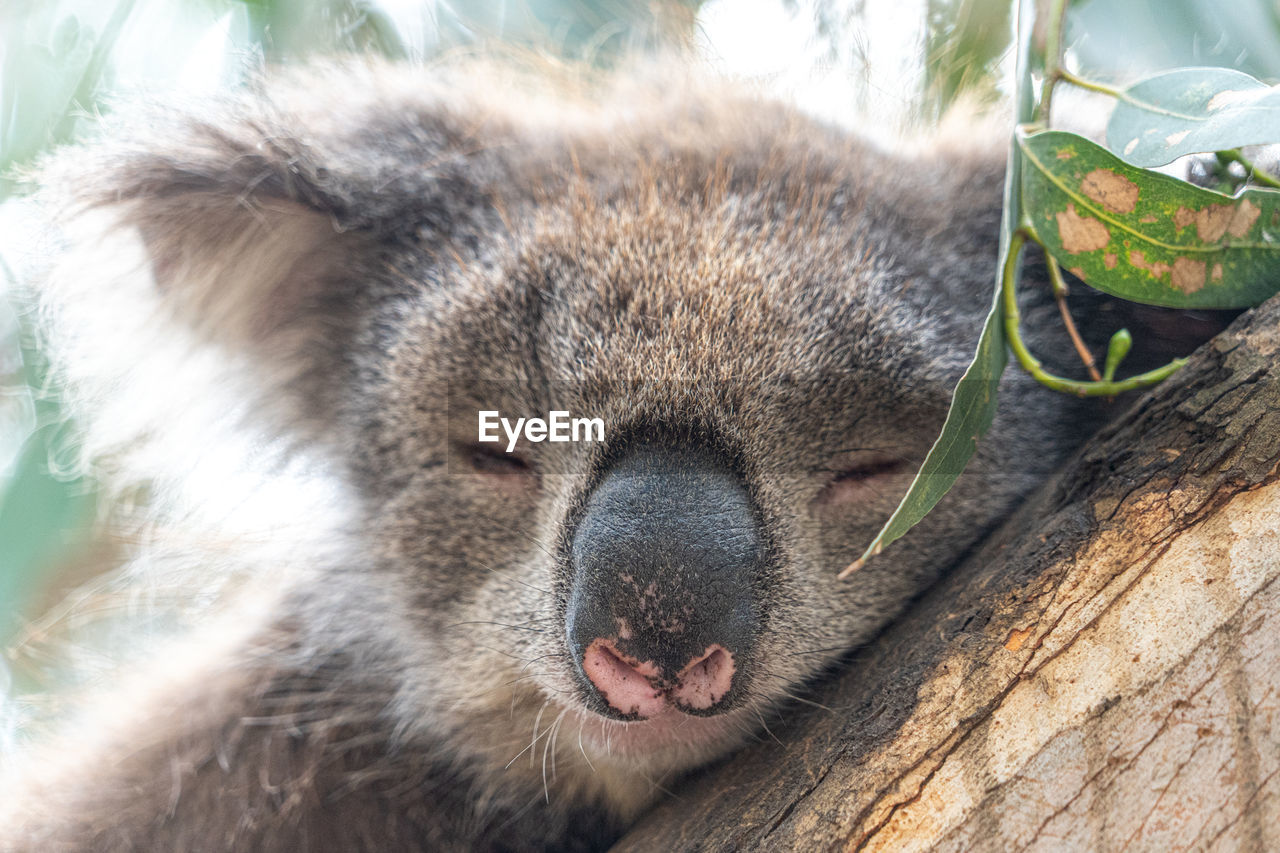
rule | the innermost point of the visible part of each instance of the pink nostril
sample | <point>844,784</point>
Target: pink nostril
<point>706,679</point>
<point>624,685</point>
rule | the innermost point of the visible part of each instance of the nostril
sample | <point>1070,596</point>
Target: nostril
<point>705,680</point>
<point>626,685</point>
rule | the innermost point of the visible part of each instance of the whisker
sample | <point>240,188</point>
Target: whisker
<point>536,720</point>
<point>509,574</point>
<point>826,650</point>
<point>653,783</point>
<point>533,675</point>
<point>791,695</point>
<point>504,653</point>
<point>499,624</point>
<point>546,747</point>
<point>583,749</point>
<point>543,548</point>
<point>549,746</point>
<point>765,726</point>
<point>531,661</point>
<point>803,701</point>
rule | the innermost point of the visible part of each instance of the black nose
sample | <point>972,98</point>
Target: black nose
<point>667,558</point>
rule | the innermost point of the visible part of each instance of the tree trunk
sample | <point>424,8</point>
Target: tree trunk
<point>1102,674</point>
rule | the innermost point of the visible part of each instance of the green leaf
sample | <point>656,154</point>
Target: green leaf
<point>1190,111</point>
<point>1111,39</point>
<point>973,403</point>
<point>1144,236</point>
<point>973,407</point>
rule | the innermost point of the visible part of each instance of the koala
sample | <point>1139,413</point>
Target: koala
<point>477,649</point>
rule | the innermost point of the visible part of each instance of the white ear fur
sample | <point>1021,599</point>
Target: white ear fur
<point>167,381</point>
<point>167,350</point>
<point>239,270</point>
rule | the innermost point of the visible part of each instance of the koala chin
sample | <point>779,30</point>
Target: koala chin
<point>483,650</point>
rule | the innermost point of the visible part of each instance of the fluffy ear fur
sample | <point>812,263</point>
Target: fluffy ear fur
<point>254,271</point>
<point>254,238</point>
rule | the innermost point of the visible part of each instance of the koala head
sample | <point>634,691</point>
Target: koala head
<point>766,316</point>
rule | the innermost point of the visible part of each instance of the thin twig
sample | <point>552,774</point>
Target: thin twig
<point>1052,59</point>
<point>1060,296</point>
<point>1032,365</point>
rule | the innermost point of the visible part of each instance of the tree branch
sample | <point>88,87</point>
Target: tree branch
<point>1103,672</point>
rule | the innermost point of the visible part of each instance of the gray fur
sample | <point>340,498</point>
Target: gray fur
<point>359,245</point>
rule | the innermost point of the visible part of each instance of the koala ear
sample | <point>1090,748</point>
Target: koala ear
<point>263,223</point>
<point>248,207</point>
<point>245,269</point>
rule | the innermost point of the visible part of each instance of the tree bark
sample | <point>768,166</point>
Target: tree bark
<point>1103,674</point>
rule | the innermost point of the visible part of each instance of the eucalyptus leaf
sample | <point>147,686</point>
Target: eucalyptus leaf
<point>1119,39</point>
<point>973,403</point>
<point>973,408</point>
<point>1190,111</point>
<point>1145,236</point>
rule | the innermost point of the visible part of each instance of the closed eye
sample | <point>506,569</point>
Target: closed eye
<point>867,480</point>
<point>874,468</point>
<point>495,462</point>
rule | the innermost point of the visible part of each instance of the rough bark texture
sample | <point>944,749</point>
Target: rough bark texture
<point>1103,675</point>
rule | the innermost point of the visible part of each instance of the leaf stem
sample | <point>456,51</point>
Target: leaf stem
<point>1091,85</point>
<point>1053,71</point>
<point>1029,363</point>
<point>1060,296</point>
<point>1257,175</point>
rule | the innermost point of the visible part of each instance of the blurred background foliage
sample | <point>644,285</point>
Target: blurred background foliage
<point>899,64</point>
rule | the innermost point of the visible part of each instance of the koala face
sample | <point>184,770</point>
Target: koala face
<point>767,392</point>
<point>766,317</point>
